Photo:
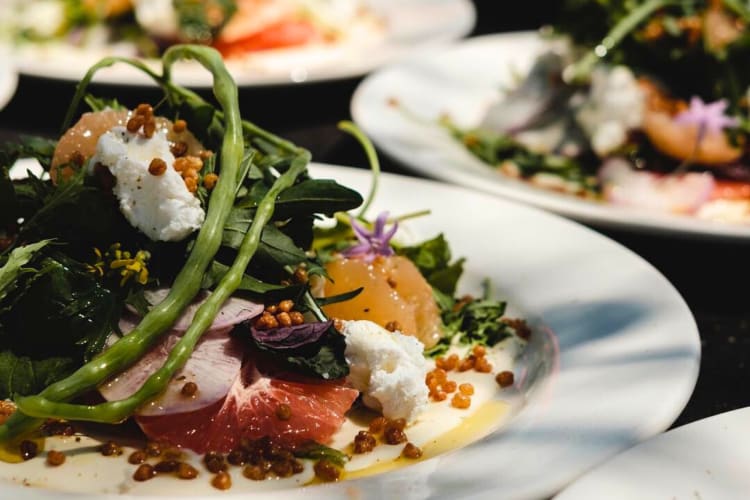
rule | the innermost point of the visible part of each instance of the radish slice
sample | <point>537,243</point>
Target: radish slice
<point>234,310</point>
<point>212,367</point>
<point>679,193</point>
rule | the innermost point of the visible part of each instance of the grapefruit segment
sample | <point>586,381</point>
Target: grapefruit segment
<point>250,411</point>
<point>394,291</point>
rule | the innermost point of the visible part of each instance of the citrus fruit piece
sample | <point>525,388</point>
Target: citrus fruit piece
<point>79,141</point>
<point>251,411</point>
<point>395,294</point>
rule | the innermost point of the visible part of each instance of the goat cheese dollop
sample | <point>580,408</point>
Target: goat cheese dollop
<point>615,105</point>
<point>388,368</point>
<point>159,205</point>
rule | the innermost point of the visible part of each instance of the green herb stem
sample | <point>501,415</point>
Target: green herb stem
<point>116,411</point>
<point>372,158</point>
<point>581,70</point>
<point>187,283</point>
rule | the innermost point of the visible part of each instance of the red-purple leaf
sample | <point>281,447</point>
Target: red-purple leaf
<point>290,337</point>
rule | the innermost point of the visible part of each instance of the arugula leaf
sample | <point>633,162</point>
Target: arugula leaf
<point>22,375</point>
<point>64,312</point>
<point>322,196</point>
<point>250,284</point>
<point>432,258</point>
<point>281,248</point>
<point>102,103</point>
<point>471,321</point>
<point>13,266</point>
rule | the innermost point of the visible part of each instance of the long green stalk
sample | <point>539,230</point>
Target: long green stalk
<point>187,283</point>
<point>116,411</point>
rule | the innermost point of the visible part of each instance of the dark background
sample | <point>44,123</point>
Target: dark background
<point>711,275</point>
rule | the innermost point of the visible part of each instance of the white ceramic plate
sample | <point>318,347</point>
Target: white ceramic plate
<point>701,460</point>
<point>613,359</point>
<point>408,26</point>
<point>463,80</point>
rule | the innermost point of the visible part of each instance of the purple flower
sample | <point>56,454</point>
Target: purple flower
<point>709,117</point>
<point>372,243</point>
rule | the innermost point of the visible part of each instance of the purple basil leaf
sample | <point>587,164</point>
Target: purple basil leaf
<point>290,337</point>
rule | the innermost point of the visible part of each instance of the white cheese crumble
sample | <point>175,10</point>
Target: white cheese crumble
<point>388,368</point>
<point>157,17</point>
<point>159,205</point>
<point>614,105</point>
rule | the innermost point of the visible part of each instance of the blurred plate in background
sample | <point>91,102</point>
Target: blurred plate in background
<point>704,459</point>
<point>399,107</point>
<point>407,26</point>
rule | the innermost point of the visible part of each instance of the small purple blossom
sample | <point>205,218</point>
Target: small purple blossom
<point>372,243</point>
<point>709,117</point>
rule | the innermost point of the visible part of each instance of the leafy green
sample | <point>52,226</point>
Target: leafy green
<point>472,321</point>
<point>102,103</point>
<point>323,358</point>
<point>433,259</point>
<point>27,146</point>
<point>250,284</point>
<point>57,317</point>
<point>63,312</point>
<point>494,149</point>
<point>20,375</point>
<point>466,320</point>
<point>317,451</point>
<point>12,268</point>
<point>199,21</point>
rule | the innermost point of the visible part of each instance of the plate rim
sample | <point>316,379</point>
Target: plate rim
<point>709,422</point>
<point>588,212</point>
<point>657,421</point>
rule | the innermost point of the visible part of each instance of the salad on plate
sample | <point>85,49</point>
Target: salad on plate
<point>636,104</point>
<point>147,27</point>
<point>180,297</point>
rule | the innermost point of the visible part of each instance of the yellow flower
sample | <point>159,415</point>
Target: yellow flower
<point>131,266</point>
<point>98,266</point>
<point>122,262</point>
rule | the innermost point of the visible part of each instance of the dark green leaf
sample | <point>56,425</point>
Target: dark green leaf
<point>199,21</point>
<point>217,270</point>
<point>280,248</point>
<point>317,451</point>
<point>65,312</point>
<point>102,103</point>
<point>22,375</point>
<point>319,196</point>
<point>9,210</point>
<point>13,267</point>
<point>321,359</point>
<point>432,258</point>
<point>335,299</point>
<point>27,146</point>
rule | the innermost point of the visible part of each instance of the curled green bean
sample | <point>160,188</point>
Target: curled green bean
<point>187,283</point>
<point>116,411</point>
